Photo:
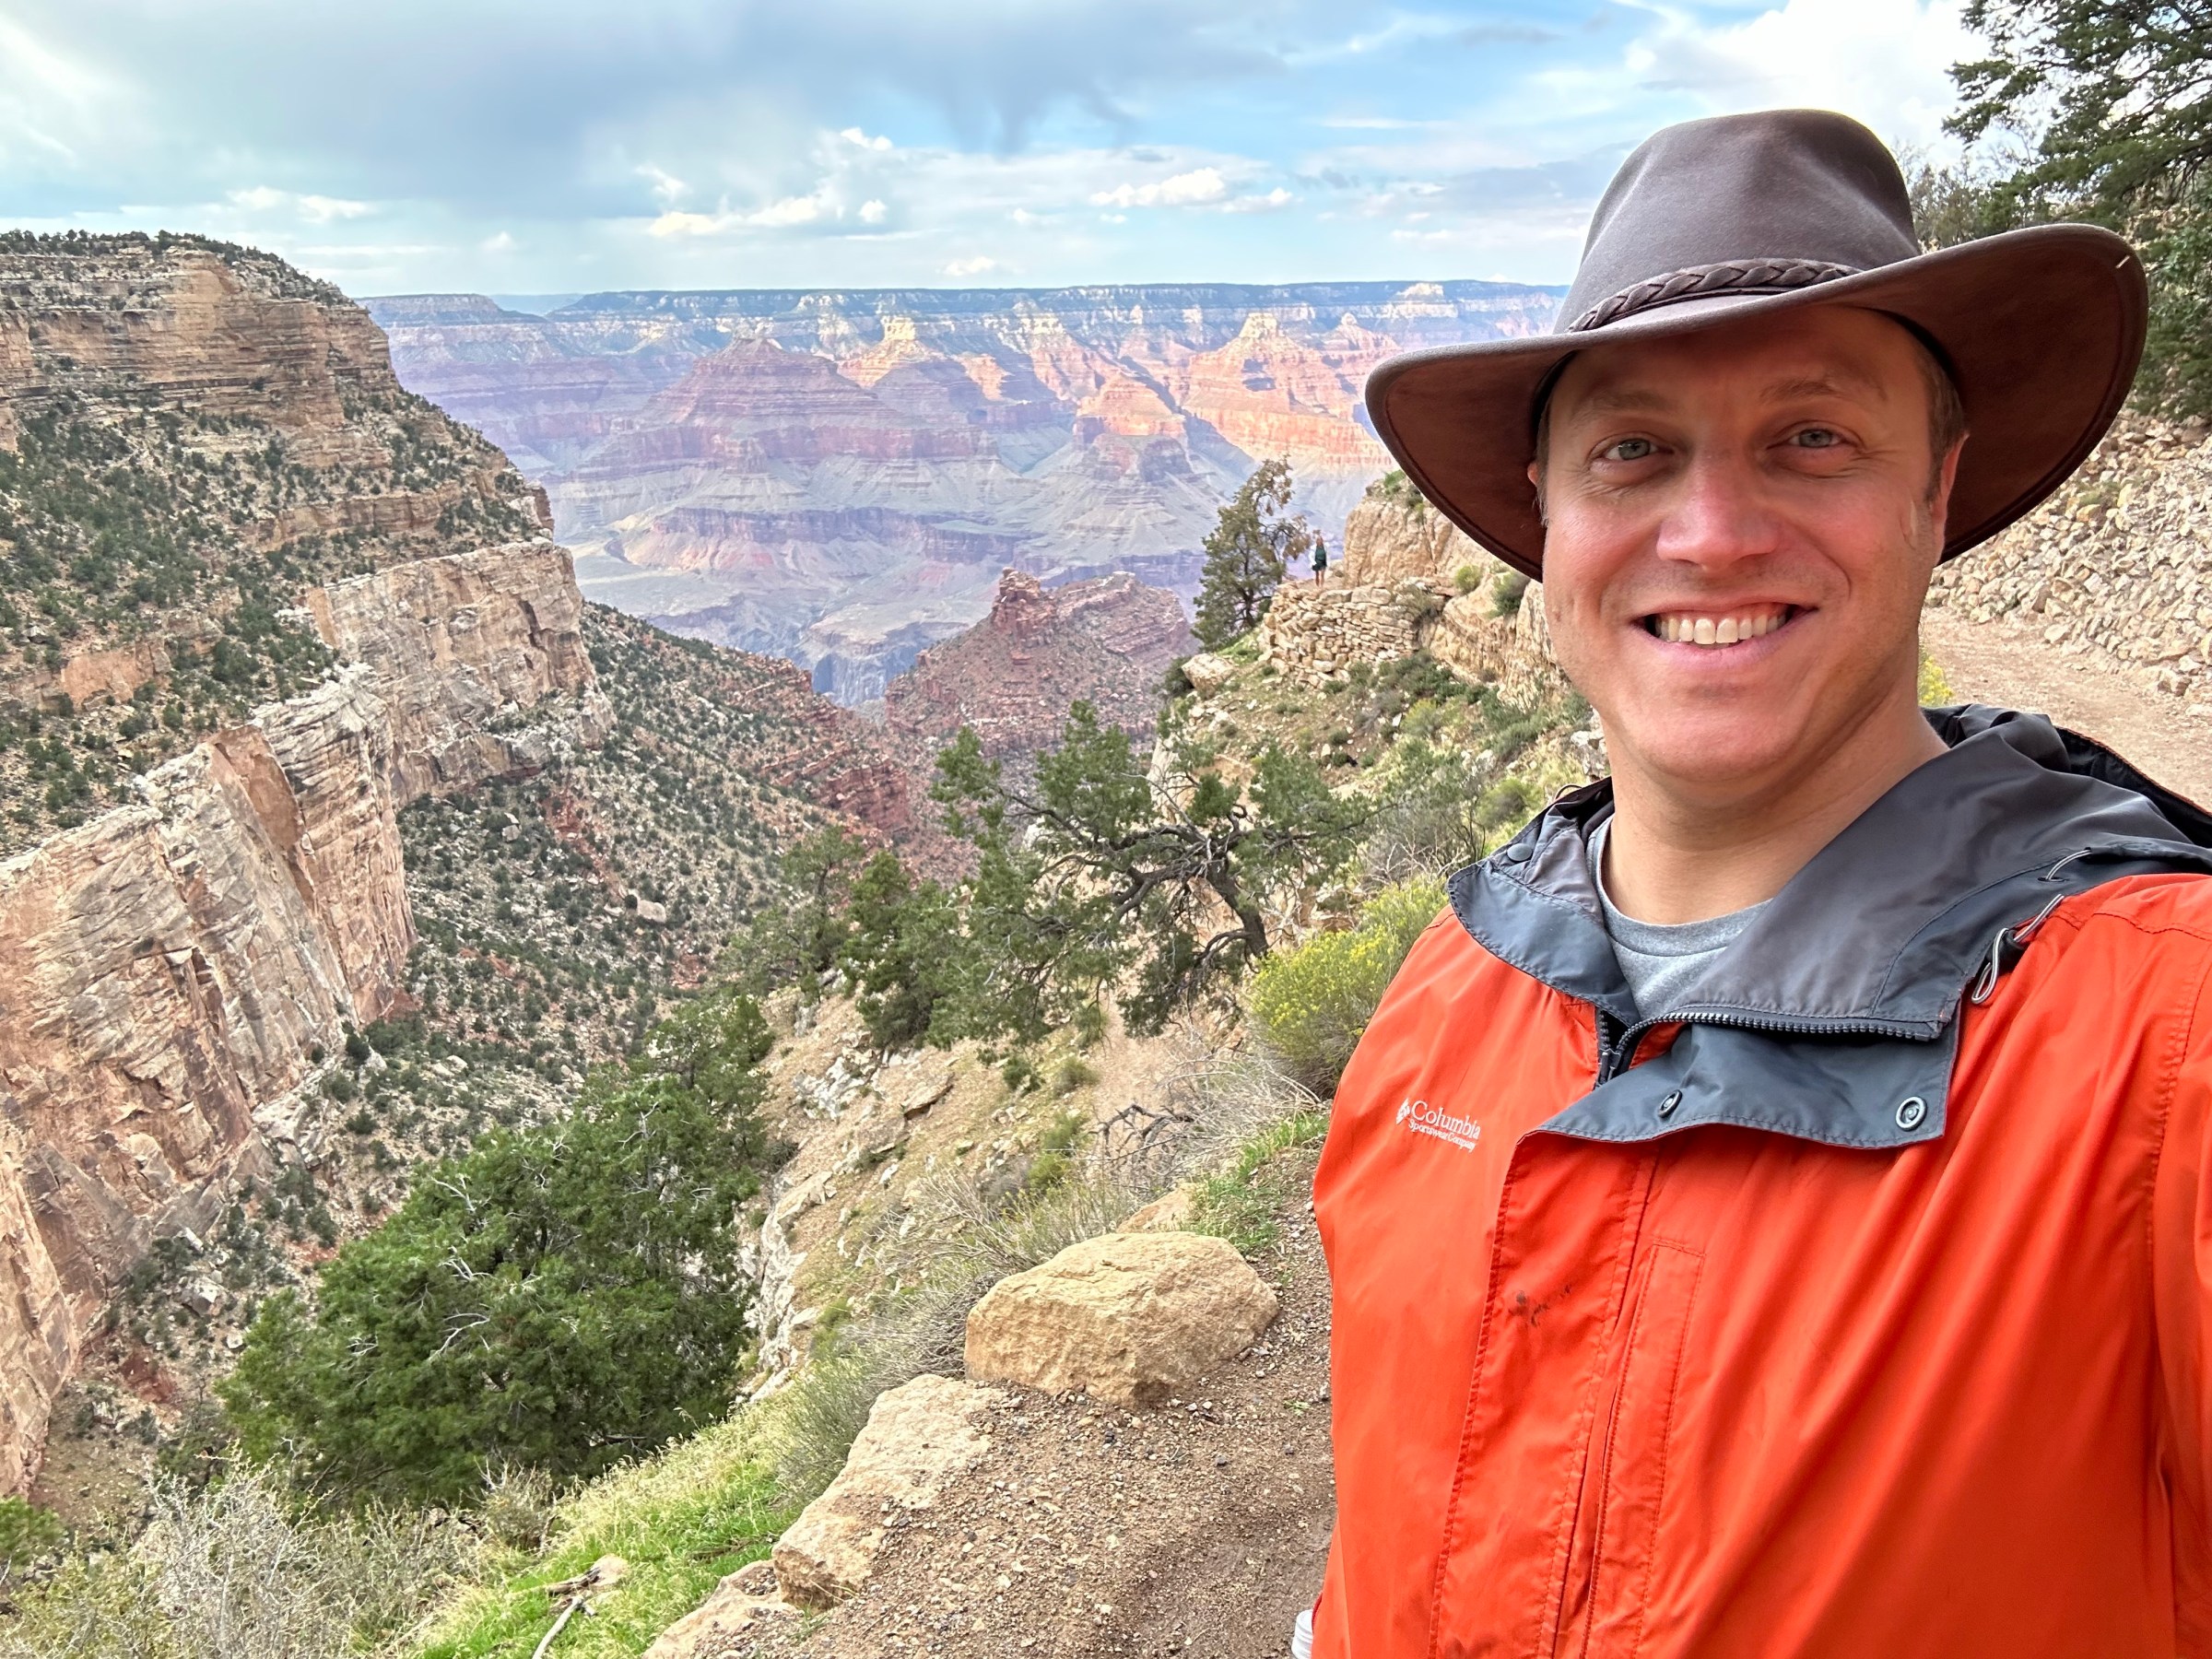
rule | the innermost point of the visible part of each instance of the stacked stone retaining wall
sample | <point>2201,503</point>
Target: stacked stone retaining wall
<point>2115,568</point>
<point>1318,632</point>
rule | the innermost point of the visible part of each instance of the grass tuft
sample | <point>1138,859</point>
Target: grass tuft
<point>682,1520</point>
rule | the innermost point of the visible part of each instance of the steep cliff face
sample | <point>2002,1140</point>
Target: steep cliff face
<point>236,640</point>
<point>193,434</point>
<point>459,642</point>
<point>1393,536</point>
<point>172,970</point>
<point>839,477</point>
<point>1013,676</point>
<point>302,729</point>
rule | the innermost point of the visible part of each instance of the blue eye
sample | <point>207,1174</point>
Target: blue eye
<point>1628,449</point>
<point>1817,438</point>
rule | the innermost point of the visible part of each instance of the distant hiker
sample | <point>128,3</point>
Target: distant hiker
<point>1770,1213</point>
<point>1321,560</point>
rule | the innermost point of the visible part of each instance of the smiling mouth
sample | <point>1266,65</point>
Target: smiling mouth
<point>1717,629</point>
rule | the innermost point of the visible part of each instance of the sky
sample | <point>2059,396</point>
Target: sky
<point>496,147</point>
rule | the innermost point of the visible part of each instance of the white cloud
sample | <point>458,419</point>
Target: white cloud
<point>1190,189</point>
<point>872,212</point>
<point>1274,201</point>
<point>1885,62</point>
<point>854,136</point>
<point>500,243</point>
<point>667,189</point>
<point>791,210</point>
<point>783,215</point>
<point>971,267</point>
<point>313,210</point>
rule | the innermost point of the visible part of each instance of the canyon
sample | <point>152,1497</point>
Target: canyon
<point>838,478</point>
<point>277,639</point>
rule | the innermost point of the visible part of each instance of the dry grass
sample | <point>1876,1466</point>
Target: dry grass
<point>240,1569</point>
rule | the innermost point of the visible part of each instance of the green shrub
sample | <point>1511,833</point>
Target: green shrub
<point>559,1298</point>
<point>1507,590</point>
<point>1312,1003</point>
<point>1466,579</point>
<point>26,1533</point>
<point>1072,1073</point>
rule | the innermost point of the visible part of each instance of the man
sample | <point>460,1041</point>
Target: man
<point>1815,1256</point>
<point>1321,560</point>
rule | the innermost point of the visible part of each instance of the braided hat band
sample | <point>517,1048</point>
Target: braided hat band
<point>1697,282</point>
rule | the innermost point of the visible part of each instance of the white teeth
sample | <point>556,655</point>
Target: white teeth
<point>1715,631</point>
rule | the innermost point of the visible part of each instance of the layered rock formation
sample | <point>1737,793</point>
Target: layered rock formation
<point>171,970</point>
<point>1408,580</point>
<point>838,476</point>
<point>1013,676</point>
<point>192,433</point>
<point>460,641</point>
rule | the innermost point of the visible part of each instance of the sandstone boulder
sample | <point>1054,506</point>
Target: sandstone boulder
<point>919,1436</point>
<point>740,1606</point>
<point>1209,673</point>
<point>1128,1317</point>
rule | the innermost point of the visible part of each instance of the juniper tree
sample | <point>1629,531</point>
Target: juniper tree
<point>561,1297</point>
<point>1250,551</point>
<point>1102,873</point>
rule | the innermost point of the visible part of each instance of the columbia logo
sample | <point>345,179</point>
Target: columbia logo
<point>1424,1118</point>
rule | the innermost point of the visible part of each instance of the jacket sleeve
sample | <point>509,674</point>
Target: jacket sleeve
<point>2181,1288</point>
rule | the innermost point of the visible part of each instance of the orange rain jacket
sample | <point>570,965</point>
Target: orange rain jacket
<point>1840,1314</point>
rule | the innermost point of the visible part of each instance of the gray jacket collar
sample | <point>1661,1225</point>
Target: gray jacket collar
<point>1833,1017</point>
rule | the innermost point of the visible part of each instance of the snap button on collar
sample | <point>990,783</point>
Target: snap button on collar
<point>1910,1111</point>
<point>1519,852</point>
<point>1666,1107</point>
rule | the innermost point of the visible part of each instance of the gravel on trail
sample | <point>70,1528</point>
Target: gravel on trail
<point>2008,663</point>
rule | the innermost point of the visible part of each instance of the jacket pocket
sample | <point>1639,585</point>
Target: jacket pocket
<point>1635,1465</point>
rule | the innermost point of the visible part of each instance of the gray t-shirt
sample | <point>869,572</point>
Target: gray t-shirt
<point>1663,964</point>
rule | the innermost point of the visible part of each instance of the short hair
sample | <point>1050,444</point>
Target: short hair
<point>1946,409</point>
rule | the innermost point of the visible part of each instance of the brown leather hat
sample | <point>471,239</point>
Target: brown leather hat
<point>1714,220</point>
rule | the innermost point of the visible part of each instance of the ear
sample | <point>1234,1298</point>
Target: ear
<point>1939,487</point>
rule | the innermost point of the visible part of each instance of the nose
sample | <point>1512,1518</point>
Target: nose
<point>1717,517</point>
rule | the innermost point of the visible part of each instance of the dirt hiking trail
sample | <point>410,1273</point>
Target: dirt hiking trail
<point>2009,664</point>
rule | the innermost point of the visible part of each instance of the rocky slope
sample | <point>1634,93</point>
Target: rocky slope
<point>839,477</point>
<point>305,734</point>
<point>1013,676</point>
<point>190,434</point>
<point>174,972</point>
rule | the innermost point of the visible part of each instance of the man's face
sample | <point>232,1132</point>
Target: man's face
<point>1740,529</point>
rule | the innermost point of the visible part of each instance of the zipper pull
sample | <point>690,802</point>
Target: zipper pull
<point>2006,949</point>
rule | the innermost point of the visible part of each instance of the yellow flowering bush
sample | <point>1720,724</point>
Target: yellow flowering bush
<point>1310,1004</point>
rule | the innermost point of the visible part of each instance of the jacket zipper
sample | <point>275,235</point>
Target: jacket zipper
<point>1612,1057</point>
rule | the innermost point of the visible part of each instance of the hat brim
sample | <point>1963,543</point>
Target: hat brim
<point>2041,329</point>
